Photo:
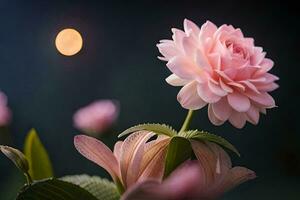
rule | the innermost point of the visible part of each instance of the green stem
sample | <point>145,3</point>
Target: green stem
<point>187,121</point>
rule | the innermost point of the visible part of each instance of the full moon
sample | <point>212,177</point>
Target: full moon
<point>68,42</point>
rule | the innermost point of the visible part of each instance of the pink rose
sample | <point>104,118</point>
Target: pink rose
<point>222,68</point>
<point>96,117</point>
<point>5,113</point>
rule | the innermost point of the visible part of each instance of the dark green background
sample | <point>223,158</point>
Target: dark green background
<point>119,61</point>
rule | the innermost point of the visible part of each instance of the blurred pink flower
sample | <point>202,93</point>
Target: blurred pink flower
<point>133,160</point>
<point>208,178</point>
<point>5,113</point>
<point>222,68</point>
<point>96,117</point>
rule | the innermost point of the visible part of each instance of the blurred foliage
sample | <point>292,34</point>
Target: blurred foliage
<point>40,166</point>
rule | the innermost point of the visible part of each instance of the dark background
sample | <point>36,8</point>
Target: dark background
<point>119,61</point>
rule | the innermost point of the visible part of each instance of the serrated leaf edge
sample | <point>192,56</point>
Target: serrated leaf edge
<point>165,129</point>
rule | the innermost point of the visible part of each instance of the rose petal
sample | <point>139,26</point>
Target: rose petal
<point>189,98</point>
<point>174,80</point>
<point>221,109</point>
<point>253,115</point>
<point>263,99</point>
<point>184,68</point>
<point>237,119</point>
<point>206,94</point>
<point>238,101</point>
<point>213,118</point>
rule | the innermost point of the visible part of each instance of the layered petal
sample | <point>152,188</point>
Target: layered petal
<point>131,155</point>
<point>226,65</point>
<point>189,98</point>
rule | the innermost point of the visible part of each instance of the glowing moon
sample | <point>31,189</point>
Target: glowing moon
<point>68,42</point>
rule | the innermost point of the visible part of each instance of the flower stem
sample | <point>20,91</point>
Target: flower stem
<point>187,121</point>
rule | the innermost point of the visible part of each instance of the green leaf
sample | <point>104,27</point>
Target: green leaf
<point>101,188</point>
<point>179,150</point>
<point>205,136</point>
<point>39,163</point>
<point>54,189</point>
<point>156,128</point>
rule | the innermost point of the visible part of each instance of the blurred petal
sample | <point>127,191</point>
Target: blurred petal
<point>97,116</point>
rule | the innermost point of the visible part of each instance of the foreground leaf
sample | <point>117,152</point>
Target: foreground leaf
<point>18,158</point>
<point>39,163</point>
<point>54,189</point>
<point>101,188</point>
<point>179,150</point>
<point>156,128</point>
<point>205,136</point>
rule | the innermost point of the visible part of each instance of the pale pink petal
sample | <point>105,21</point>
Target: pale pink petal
<point>237,119</point>
<point>253,115</point>
<point>174,80</point>
<point>189,25</point>
<point>206,94</point>
<point>266,65</point>
<point>189,98</point>
<point>270,78</point>
<point>263,99</point>
<point>178,35</point>
<point>215,61</point>
<point>267,87</point>
<point>189,47</point>
<point>168,50</point>
<point>225,87</point>
<point>202,61</point>
<point>207,30</point>
<point>216,88</point>
<point>250,85</point>
<point>213,118</point>
<point>184,68</point>
<point>221,109</point>
<point>238,101</point>
<point>99,153</point>
<point>236,85</point>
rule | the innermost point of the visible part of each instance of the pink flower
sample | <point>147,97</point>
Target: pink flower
<point>5,113</point>
<point>133,160</point>
<point>222,68</point>
<point>208,178</point>
<point>96,117</point>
